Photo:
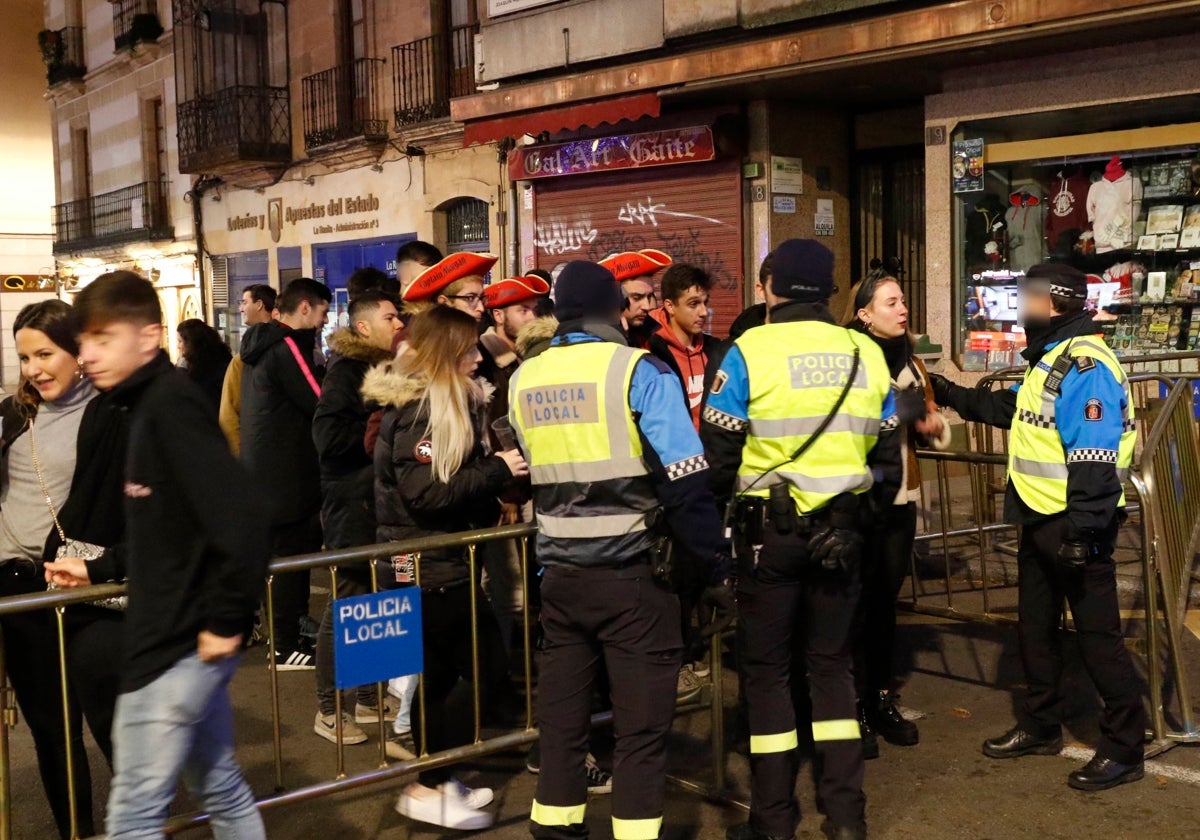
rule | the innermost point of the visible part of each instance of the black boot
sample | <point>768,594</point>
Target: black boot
<point>1018,741</point>
<point>843,832</point>
<point>1104,773</point>
<point>886,719</point>
<point>870,744</point>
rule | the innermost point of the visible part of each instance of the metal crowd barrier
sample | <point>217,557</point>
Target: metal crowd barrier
<point>59,600</point>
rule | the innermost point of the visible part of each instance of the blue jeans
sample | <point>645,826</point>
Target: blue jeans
<point>181,724</point>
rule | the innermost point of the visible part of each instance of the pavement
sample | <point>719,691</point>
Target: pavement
<point>961,679</point>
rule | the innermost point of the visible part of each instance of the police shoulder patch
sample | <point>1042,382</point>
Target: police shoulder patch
<point>719,381</point>
<point>423,451</point>
<point>1093,410</point>
<point>1084,363</point>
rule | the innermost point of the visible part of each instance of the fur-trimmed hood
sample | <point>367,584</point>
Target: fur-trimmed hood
<point>535,336</point>
<point>346,342</point>
<point>388,386</point>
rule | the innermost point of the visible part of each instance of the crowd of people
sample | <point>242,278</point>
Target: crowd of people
<point>673,477</point>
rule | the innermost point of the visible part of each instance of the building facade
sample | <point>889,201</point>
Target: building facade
<point>339,148</point>
<point>121,201</point>
<point>27,172</point>
<point>966,140</point>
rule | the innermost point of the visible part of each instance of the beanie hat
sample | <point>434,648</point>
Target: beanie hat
<point>1058,279</point>
<point>586,290</point>
<point>802,269</point>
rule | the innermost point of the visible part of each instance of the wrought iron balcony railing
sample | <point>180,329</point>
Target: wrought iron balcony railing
<point>243,124</point>
<point>429,72</point>
<point>341,103</point>
<point>62,51</point>
<point>130,214</point>
<point>135,22</point>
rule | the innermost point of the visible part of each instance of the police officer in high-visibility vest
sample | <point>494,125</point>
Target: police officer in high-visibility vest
<point>613,458</point>
<point>1070,445</point>
<point>792,430</point>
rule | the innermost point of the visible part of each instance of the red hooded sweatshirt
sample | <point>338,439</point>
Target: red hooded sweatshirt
<point>689,361</point>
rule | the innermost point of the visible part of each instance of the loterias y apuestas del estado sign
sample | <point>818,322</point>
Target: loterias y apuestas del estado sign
<point>608,154</point>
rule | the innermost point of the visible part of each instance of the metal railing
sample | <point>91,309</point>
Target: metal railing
<point>135,22</point>
<point>130,214</point>
<point>341,103</point>
<point>429,72</point>
<point>62,50</point>
<point>242,123</point>
<point>333,561</point>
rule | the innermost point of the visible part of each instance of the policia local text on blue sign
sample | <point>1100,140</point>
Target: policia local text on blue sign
<point>377,637</point>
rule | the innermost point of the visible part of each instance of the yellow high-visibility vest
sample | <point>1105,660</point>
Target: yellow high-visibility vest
<point>570,408</point>
<point>796,373</point>
<point>1037,462</point>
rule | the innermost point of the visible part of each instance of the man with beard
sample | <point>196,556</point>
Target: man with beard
<point>635,270</point>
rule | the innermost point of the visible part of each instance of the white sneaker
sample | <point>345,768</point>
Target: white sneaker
<point>426,805</point>
<point>471,797</point>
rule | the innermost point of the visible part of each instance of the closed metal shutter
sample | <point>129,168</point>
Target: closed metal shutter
<point>692,212</point>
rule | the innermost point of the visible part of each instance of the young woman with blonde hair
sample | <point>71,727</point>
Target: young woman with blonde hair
<point>434,475</point>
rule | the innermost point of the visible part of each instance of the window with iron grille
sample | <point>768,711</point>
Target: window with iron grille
<point>231,83</point>
<point>135,22</point>
<point>467,225</point>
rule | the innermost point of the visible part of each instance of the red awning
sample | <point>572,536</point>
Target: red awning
<point>568,118</point>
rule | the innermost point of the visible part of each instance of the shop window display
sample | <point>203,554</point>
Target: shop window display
<point>1131,220</point>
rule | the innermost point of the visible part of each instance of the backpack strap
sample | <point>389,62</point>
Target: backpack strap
<point>304,368</point>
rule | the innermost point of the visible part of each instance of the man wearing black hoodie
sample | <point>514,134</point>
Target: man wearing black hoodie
<point>279,397</point>
<point>195,550</point>
<point>348,483</point>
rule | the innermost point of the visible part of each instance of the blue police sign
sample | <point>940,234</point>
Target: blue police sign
<point>377,637</point>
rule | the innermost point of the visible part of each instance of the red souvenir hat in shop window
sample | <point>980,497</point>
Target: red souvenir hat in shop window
<point>514,290</point>
<point>632,264</point>
<point>441,274</point>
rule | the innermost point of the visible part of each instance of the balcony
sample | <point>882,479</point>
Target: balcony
<point>131,214</point>
<point>238,125</point>
<point>341,104</point>
<point>62,51</point>
<point>135,22</point>
<point>429,72</point>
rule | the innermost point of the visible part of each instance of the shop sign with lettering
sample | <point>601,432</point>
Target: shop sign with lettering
<point>610,154</point>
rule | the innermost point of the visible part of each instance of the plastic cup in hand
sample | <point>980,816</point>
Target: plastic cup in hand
<point>504,433</point>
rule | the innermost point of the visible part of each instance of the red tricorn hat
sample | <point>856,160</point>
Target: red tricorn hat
<point>441,274</point>
<point>632,264</point>
<point>514,290</point>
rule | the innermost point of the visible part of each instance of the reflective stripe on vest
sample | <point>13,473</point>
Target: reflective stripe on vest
<point>1037,462</point>
<point>796,373</point>
<point>570,409</point>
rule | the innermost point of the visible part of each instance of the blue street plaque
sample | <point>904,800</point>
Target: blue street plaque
<point>377,637</point>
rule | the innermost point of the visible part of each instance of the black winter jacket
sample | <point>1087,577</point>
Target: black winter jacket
<point>196,544</point>
<point>410,502</point>
<point>340,420</point>
<point>278,403</point>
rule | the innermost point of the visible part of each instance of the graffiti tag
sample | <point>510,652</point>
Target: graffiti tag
<point>561,237</point>
<point>647,213</point>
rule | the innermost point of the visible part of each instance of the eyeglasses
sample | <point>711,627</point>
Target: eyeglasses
<point>471,300</point>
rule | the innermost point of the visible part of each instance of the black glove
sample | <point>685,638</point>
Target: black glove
<point>943,388</point>
<point>910,406</point>
<point>719,597</point>
<point>836,549</point>
<point>1078,547</point>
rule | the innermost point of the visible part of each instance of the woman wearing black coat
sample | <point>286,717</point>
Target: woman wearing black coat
<point>435,478</point>
<point>58,438</point>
